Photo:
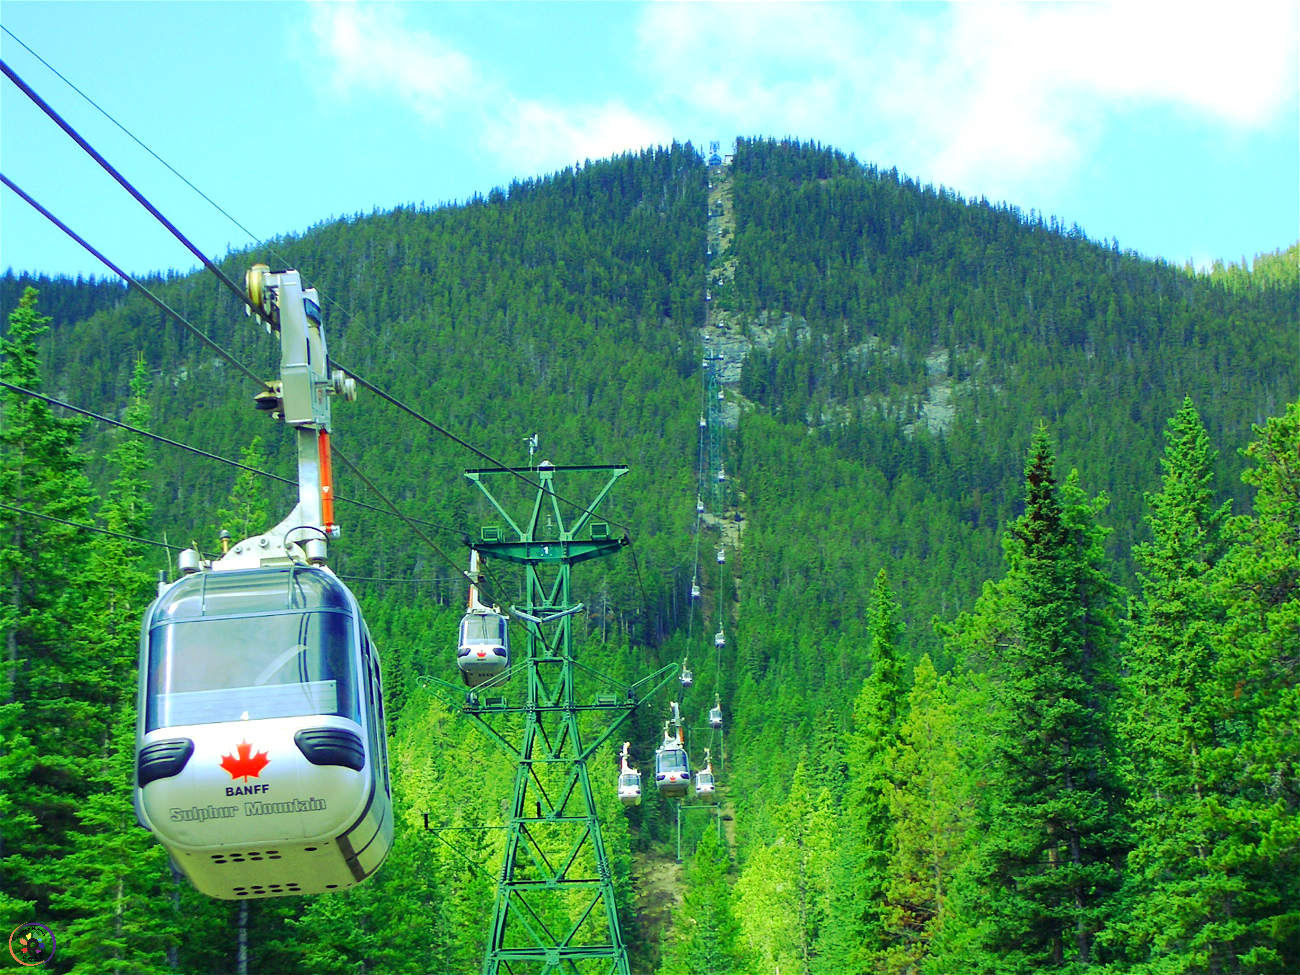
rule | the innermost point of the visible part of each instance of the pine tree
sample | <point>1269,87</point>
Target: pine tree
<point>861,870</point>
<point>246,512</point>
<point>929,802</point>
<point>45,495</point>
<point>1172,716</point>
<point>1046,865</point>
<point>1254,842</point>
<point>114,884</point>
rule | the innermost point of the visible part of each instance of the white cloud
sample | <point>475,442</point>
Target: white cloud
<point>550,137</point>
<point>375,51</point>
<point>1237,65</point>
<point>371,49</point>
<point>990,98</point>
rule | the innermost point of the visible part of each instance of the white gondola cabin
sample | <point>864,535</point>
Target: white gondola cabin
<point>715,717</point>
<point>672,768</point>
<point>686,677</point>
<point>484,647</point>
<point>261,755</point>
<point>629,780</point>
<point>704,781</point>
<point>720,639</point>
<point>629,787</point>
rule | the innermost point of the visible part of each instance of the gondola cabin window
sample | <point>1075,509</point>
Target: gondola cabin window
<point>479,629</point>
<point>217,654</point>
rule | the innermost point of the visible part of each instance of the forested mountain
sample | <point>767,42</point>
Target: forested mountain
<point>1011,592</point>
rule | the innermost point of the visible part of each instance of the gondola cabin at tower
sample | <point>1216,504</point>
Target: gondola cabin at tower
<point>483,651</point>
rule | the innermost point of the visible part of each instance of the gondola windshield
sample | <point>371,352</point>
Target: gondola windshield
<point>482,628</point>
<point>670,760</point>
<point>250,645</point>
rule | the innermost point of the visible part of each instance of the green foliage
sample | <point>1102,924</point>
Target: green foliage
<point>1171,719</point>
<point>43,491</point>
<point>1256,835</point>
<point>247,510</point>
<point>782,894</point>
<point>866,836</point>
<point>1049,811</point>
<point>930,796</point>
<point>705,937</point>
<point>114,883</point>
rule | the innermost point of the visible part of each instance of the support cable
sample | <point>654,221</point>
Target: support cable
<point>96,528</point>
<point>231,285</point>
<point>176,316</point>
<point>234,288</point>
<point>144,433</point>
<point>131,135</point>
<point>161,305</point>
<point>200,452</point>
<point>122,181</point>
<point>410,522</point>
<point>134,138</point>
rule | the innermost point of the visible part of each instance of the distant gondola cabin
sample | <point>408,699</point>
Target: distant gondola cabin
<point>672,769</point>
<point>629,788</point>
<point>484,648</point>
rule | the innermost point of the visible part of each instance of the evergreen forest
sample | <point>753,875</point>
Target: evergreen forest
<point>1001,524</point>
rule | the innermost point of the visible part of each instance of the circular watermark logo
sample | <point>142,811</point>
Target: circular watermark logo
<point>31,944</point>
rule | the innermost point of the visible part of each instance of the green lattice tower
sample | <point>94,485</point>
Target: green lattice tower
<point>555,909</point>
<point>718,492</point>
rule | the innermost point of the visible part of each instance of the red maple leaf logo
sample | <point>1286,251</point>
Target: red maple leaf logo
<point>244,765</point>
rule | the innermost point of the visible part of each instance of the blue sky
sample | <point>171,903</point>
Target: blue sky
<point>1171,127</point>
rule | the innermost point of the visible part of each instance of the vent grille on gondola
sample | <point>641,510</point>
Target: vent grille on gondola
<point>245,855</point>
<point>264,890</point>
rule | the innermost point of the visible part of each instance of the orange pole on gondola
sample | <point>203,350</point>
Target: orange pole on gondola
<point>326,483</point>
